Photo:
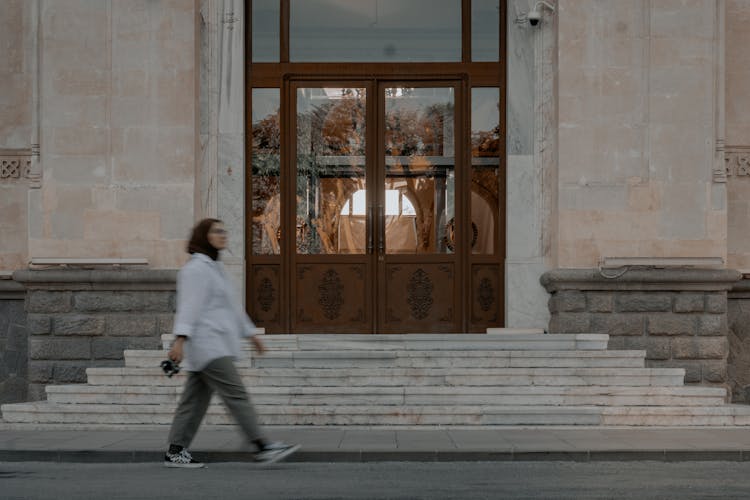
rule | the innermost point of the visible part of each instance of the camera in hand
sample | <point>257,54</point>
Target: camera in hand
<point>170,367</point>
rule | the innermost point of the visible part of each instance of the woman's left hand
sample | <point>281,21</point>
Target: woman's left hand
<point>175,353</point>
<point>258,344</point>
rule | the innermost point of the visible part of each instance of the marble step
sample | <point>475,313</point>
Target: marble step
<point>677,415</point>
<point>52,413</point>
<point>431,341</point>
<point>495,396</point>
<point>297,377</point>
<point>47,412</point>
<point>409,358</point>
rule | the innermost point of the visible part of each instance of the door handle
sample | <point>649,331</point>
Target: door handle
<point>381,229</point>
<point>370,228</point>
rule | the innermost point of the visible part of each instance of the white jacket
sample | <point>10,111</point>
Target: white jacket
<point>208,313</point>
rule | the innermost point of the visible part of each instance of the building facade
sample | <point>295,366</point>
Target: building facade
<point>382,166</point>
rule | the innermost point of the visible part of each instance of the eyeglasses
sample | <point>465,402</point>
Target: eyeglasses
<point>218,231</point>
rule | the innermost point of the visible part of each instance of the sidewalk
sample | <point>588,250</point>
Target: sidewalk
<point>352,444</point>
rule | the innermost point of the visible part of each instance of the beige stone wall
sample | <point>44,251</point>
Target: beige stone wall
<point>15,129</point>
<point>738,131</point>
<point>118,136</point>
<point>13,236</point>
<point>15,79</point>
<point>637,130</point>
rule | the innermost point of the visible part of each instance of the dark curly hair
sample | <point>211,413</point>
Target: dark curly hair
<point>199,239</point>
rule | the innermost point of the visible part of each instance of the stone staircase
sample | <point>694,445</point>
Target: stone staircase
<point>501,378</point>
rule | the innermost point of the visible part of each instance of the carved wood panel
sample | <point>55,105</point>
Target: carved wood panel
<point>265,293</point>
<point>486,296</point>
<point>420,296</point>
<point>331,297</point>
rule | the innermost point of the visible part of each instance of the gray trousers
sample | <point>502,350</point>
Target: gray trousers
<point>219,375</point>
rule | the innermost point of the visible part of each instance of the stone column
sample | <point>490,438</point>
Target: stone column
<point>84,318</point>
<point>530,164</point>
<point>678,316</point>
<point>222,125</point>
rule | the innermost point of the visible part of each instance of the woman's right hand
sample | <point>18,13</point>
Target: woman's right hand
<point>175,353</point>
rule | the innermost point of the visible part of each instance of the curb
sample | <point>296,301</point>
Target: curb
<point>99,456</point>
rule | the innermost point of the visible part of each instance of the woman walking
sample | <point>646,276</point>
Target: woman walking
<point>208,326</point>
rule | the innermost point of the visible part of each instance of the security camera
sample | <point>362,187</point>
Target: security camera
<point>534,16</point>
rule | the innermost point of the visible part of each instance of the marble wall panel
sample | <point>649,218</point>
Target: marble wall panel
<point>15,76</point>
<point>208,110</point>
<point>231,189</point>
<point>13,234</point>
<point>521,82</point>
<point>737,99</point>
<point>227,128</point>
<point>523,209</point>
<point>16,104</point>
<point>170,202</point>
<point>525,299</point>
<point>637,131</point>
<point>118,96</point>
<point>526,214</point>
<point>683,212</point>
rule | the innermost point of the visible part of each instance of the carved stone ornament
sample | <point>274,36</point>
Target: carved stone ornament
<point>15,166</point>
<point>420,294</point>
<point>331,294</point>
<point>737,162</point>
<point>486,296</point>
<point>266,294</point>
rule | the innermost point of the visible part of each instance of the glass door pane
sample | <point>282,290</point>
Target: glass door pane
<point>419,202</point>
<point>265,194</point>
<point>330,194</point>
<point>486,151</point>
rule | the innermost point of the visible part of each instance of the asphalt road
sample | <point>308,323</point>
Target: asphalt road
<point>303,481</point>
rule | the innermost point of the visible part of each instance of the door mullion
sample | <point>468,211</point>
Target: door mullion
<point>289,158</point>
<point>379,194</point>
<point>372,152</point>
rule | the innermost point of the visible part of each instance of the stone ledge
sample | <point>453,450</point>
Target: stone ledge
<point>104,279</point>
<point>740,290</point>
<point>11,290</point>
<point>642,279</point>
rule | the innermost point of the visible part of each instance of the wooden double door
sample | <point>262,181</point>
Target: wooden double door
<point>386,223</point>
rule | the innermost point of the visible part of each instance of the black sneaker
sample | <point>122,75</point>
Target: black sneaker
<point>182,459</point>
<point>273,452</point>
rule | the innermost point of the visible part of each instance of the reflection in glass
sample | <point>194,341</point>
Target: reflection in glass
<point>331,170</point>
<point>265,206</point>
<point>486,142</point>
<point>485,30</point>
<point>266,29</point>
<point>420,170</point>
<point>375,30</point>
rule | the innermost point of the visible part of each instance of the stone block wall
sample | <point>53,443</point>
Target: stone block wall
<point>678,316</point>
<point>79,319</point>
<point>738,368</point>
<point>13,343</point>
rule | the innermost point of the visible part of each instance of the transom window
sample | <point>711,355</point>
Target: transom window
<point>375,30</point>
